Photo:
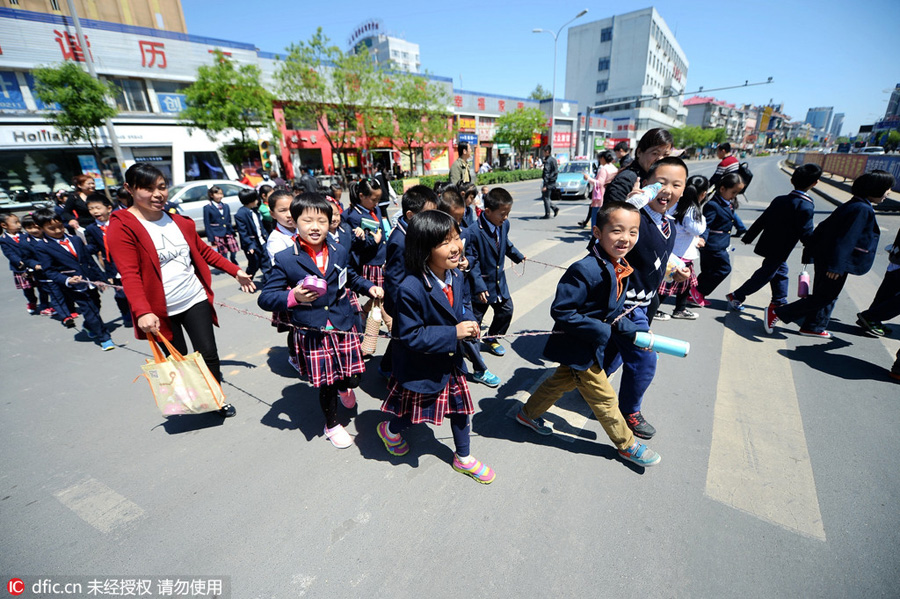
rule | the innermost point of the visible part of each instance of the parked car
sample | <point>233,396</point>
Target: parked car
<point>190,198</point>
<point>876,150</point>
<point>571,182</point>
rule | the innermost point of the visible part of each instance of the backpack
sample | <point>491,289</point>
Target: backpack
<point>746,174</point>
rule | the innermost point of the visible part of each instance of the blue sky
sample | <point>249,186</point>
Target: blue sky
<point>820,53</point>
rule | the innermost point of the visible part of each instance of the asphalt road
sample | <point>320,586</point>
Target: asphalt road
<point>763,490</point>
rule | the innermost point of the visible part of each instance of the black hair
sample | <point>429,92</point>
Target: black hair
<point>696,187</point>
<point>725,147</point>
<point>335,187</point>
<point>315,202</point>
<point>247,196</point>
<point>4,216</point>
<point>467,188</point>
<point>363,187</point>
<point>622,146</point>
<point>497,197</point>
<point>213,189</point>
<point>439,186</point>
<point>603,214</point>
<point>143,175</point>
<point>606,155</point>
<point>873,184</point>
<point>462,147</point>
<point>124,197</point>
<point>297,189</point>
<point>28,221</point>
<point>727,182</point>
<point>98,198</point>
<point>547,148</point>
<point>668,161</point>
<point>415,198</point>
<point>426,231</point>
<point>277,195</point>
<point>806,175</point>
<point>654,138</point>
<point>263,190</point>
<point>45,216</point>
<point>450,198</point>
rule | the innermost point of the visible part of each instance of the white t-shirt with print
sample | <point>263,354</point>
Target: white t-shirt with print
<point>180,282</point>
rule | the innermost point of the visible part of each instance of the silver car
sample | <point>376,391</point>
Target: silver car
<point>190,198</point>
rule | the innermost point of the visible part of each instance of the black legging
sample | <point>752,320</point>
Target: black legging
<point>328,398</point>
<point>197,321</point>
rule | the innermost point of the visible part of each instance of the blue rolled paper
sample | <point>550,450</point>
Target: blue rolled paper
<point>663,345</point>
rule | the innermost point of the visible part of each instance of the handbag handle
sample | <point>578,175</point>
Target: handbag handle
<point>158,354</point>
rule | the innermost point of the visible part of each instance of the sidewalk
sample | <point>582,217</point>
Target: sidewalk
<point>837,192</point>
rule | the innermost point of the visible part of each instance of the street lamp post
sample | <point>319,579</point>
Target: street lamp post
<point>553,97</point>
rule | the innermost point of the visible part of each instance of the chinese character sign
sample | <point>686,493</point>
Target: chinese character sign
<point>69,46</point>
<point>150,52</point>
<point>10,95</point>
<point>480,103</point>
<point>458,101</point>
<point>171,103</point>
<point>501,105</point>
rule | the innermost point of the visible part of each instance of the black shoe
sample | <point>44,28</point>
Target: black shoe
<point>227,411</point>
<point>555,211</point>
<point>546,217</point>
<point>582,224</point>
<point>69,322</point>
<point>640,427</point>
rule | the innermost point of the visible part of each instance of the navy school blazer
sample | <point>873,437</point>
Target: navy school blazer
<point>395,263</point>
<point>787,220</point>
<point>847,240</point>
<point>719,222</point>
<point>365,250</point>
<point>585,305</point>
<point>486,260</point>
<point>292,266</point>
<point>14,252</point>
<point>426,349</point>
<point>58,264</point>
<point>95,245</point>
<point>217,224</point>
<point>243,222</point>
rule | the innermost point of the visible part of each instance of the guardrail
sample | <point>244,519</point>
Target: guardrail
<point>849,166</point>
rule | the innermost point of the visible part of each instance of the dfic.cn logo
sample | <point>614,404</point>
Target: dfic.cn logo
<point>15,586</point>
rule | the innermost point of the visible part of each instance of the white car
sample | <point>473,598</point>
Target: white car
<point>876,150</point>
<point>190,198</point>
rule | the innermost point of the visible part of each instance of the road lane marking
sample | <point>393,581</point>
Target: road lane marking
<point>98,505</point>
<point>759,462</point>
<point>533,294</point>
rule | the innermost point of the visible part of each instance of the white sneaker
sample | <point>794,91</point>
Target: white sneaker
<point>339,437</point>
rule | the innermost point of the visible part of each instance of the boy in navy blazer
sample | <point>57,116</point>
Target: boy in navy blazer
<point>95,233</point>
<point>843,244</point>
<point>249,225</point>
<point>487,252</point>
<point>586,313</point>
<point>65,260</point>
<point>787,220</point>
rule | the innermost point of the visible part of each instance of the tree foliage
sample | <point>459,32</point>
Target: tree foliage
<point>692,136</point>
<point>228,97</point>
<point>518,128</point>
<point>539,93</point>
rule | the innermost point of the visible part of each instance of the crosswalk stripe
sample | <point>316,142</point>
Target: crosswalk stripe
<point>758,459</point>
<point>533,294</point>
<point>98,505</point>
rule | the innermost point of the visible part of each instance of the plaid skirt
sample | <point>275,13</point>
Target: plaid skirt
<point>354,301</point>
<point>327,357</point>
<point>423,407</point>
<point>23,280</point>
<point>373,273</point>
<point>227,244</point>
<point>281,321</point>
<point>667,289</point>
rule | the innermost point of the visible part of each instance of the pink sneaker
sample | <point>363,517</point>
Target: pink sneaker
<point>697,298</point>
<point>339,437</point>
<point>348,398</point>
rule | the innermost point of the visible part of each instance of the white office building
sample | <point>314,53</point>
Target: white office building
<point>386,49</point>
<point>625,58</point>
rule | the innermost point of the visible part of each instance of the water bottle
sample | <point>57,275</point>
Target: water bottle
<point>663,345</point>
<point>646,194</point>
<point>803,284</point>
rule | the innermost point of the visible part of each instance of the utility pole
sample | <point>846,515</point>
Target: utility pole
<point>110,129</point>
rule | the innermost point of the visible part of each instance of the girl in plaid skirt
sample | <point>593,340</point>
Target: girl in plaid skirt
<point>429,375</point>
<point>12,242</point>
<point>325,324</point>
<point>367,247</point>
<point>217,222</point>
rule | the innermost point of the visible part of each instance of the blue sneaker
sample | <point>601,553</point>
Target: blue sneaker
<point>107,345</point>
<point>495,348</point>
<point>486,378</point>
<point>640,454</point>
<point>734,304</point>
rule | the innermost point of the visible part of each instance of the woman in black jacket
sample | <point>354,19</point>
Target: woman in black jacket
<point>655,144</point>
<point>75,212</point>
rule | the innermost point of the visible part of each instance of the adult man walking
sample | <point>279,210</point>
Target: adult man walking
<point>549,183</point>
<point>462,171</point>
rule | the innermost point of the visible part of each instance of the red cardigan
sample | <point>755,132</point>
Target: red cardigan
<point>134,254</point>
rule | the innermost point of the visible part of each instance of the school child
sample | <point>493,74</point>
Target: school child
<point>249,225</point>
<point>487,250</point>
<point>282,238</point>
<point>95,234</point>
<point>11,242</point>
<point>787,220</point>
<point>330,361</point>
<point>843,244</point>
<point>452,203</point>
<point>589,298</point>
<point>415,199</point>
<point>648,259</point>
<point>49,292</point>
<point>217,222</point>
<point>715,264</point>
<point>689,225</point>
<point>123,199</point>
<point>336,192</point>
<point>268,222</point>
<point>886,303</point>
<point>66,261</point>
<point>339,232</point>
<point>369,250</point>
<point>469,192</point>
<point>728,164</point>
<point>429,382</point>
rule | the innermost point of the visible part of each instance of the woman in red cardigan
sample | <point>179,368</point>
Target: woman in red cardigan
<point>164,267</point>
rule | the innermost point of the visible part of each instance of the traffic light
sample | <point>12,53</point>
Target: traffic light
<point>265,154</point>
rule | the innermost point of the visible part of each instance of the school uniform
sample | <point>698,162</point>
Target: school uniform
<point>787,220</point>
<point>253,236</point>
<point>68,257</point>
<point>844,243</point>
<point>470,217</point>
<point>343,236</point>
<point>715,264</point>
<point>886,303</point>
<point>369,257</point>
<point>428,381</point>
<point>395,264</point>
<point>12,247</point>
<point>50,292</point>
<point>95,234</point>
<point>487,250</point>
<point>326,357</point>
<point>219,231</point>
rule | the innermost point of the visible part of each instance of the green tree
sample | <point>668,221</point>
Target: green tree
<point>539,93</point>
<point>333,89</point>
<point>226,97</point>
<point>84,102</point>
<point>518,128</point>
<point>842,140</point>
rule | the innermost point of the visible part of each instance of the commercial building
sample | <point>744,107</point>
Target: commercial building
<point>625,58</point>
<point>820,119</point>
<point>709,113</point>
<point>165,15</point>
<point>836,124</point>
<point>893,107</point>
<point>389,51</point>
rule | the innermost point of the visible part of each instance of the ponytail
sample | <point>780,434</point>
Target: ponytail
<point>696,187</point>
<point>363,187</point>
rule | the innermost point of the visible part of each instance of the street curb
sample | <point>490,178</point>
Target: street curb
<point>880,210</point>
